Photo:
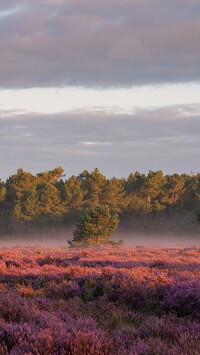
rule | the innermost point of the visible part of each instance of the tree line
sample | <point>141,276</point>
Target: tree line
<point>28,201</point>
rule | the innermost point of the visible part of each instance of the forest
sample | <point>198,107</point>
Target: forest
<point>47,199</point>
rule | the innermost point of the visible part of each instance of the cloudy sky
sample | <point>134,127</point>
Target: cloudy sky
<point>113,84</point>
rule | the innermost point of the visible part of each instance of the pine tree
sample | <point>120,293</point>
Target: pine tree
<point>18,189</point>
<point>134,186</point>
<point>73,194</point>
<point>114,195</point>
<point>2,191</point>
<point>95,227</point>
<point>50,205</point>
<point>151,191</point>
<point>172,190</point>
<point>93,183</point>
<point>51,176</point>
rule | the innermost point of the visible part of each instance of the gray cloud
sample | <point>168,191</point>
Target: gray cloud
<point>166,139</point>
<point>98,43</point>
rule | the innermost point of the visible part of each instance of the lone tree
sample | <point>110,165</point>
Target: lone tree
<point>95,227</point>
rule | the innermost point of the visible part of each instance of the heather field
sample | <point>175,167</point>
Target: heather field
<point>116,300</point>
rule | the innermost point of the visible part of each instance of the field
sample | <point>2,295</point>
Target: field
<point>119,300</point>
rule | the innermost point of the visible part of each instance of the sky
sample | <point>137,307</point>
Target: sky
<point>112,84</point>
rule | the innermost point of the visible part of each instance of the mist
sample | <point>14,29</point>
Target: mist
<point>159,232</point>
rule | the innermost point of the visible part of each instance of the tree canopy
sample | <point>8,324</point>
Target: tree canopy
<point>47,198</point>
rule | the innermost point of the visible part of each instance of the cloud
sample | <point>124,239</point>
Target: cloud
<point>98,43</point>
<point>96,143</point>
<point>166,139</point>
<point>106,101</point>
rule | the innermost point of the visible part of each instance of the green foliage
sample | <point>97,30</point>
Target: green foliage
<point>29,201</point>
<point>51,176</point>
<point>95,227</point>
<point>93,183</point>
<point>2,191</point>
<point>32,200</point>
<point>173,189</point>
<point>151,190</point>
<point>113,194</point>
<point>73,194</point>
<point>50,205</point>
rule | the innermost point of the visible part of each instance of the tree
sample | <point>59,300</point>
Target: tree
<point>26,208</point>
<point>113,194</point>
<point>152,190</point>
<point>95,227</point>
<point>49,203</point>
<point>51,176</point>
<point>93,183</point>
<point>73,194</point>
<point>2,191</point>
<point>134,186</point>
<point>172,190</point>
<point>20,204</point>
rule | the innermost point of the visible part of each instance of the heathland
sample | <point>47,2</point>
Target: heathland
<point>113,300</point>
